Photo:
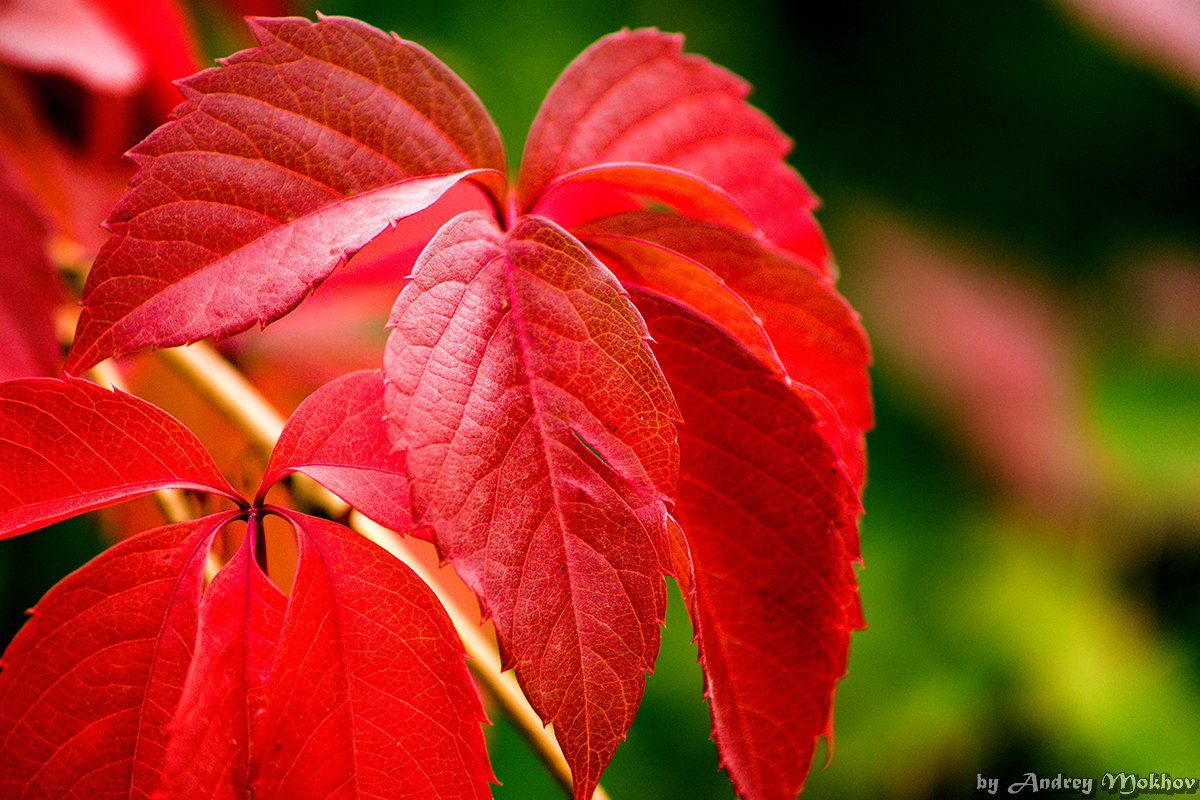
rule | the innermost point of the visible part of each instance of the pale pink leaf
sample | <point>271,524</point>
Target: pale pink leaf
<point>70,37</point>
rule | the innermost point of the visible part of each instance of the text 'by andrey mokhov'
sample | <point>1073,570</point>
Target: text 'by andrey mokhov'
<point>1119,784</point>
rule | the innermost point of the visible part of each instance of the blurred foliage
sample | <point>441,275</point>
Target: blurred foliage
<point>1009,632</point>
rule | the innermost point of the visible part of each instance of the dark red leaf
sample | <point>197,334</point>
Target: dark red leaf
<point>212,741</point>
<point>634,96</point>
<point>541,444</point>
<point>31,289</point>
<point>752,290</point>
<point>770,523</point>
<point>278,167</point>
<point>337,437</point>
<point>68,446</point>
<point>89,683</point>
<point>370,695</point>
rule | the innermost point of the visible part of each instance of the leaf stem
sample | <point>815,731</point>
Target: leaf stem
<point>223,385</point>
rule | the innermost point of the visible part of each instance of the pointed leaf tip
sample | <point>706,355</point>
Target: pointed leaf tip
<point>780,307</point>
<point>69,446</point>
<point>636,97</point>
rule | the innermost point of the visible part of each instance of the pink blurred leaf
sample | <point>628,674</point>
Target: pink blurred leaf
<point>1005,382</point>
<point>634,96</point>
<point>90,681</point>
<point>1164,32</point>
<point>258,188</point>
<point>160,33</point>
<point>70,37</point>
<point>68,446</point>
<point>541,446</point>
<point>769,525</point>
<point>337,437</point>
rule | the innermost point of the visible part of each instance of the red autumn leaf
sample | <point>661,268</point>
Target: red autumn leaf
<point>540,447</point>
<point>259,186</point>
<point>683,191</point>
<point>337,437</point>
<point>760,292</point>
<point>354,686</point>
<point>68,446</point>
<point>538,431</point>
<point>369,695</point>
<point>769,521</point>
<point>89,683</point>
<point>634,96</point>
<point>212,730</point>
<point>31,289</point>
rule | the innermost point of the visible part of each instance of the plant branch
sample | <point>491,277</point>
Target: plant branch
<point>218,381</point>
<point>223,385</point>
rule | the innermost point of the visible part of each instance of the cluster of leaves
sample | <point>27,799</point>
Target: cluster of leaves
<point>630,364</point>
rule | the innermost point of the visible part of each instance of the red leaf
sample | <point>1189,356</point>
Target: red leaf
<point>89,683</point>
<point>31,289</point>
<point>681,190</point>
<point>634,96</point>
<point>369,696</point>
<point>278,167</point>
<point>337,437</point>
<point>211,742</point>
<point>540,446</point>
<point>813,333</point>
<point>770,523</point>
<point>68,446</point>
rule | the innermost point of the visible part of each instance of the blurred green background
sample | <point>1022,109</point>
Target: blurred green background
<point>1012,192</point>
